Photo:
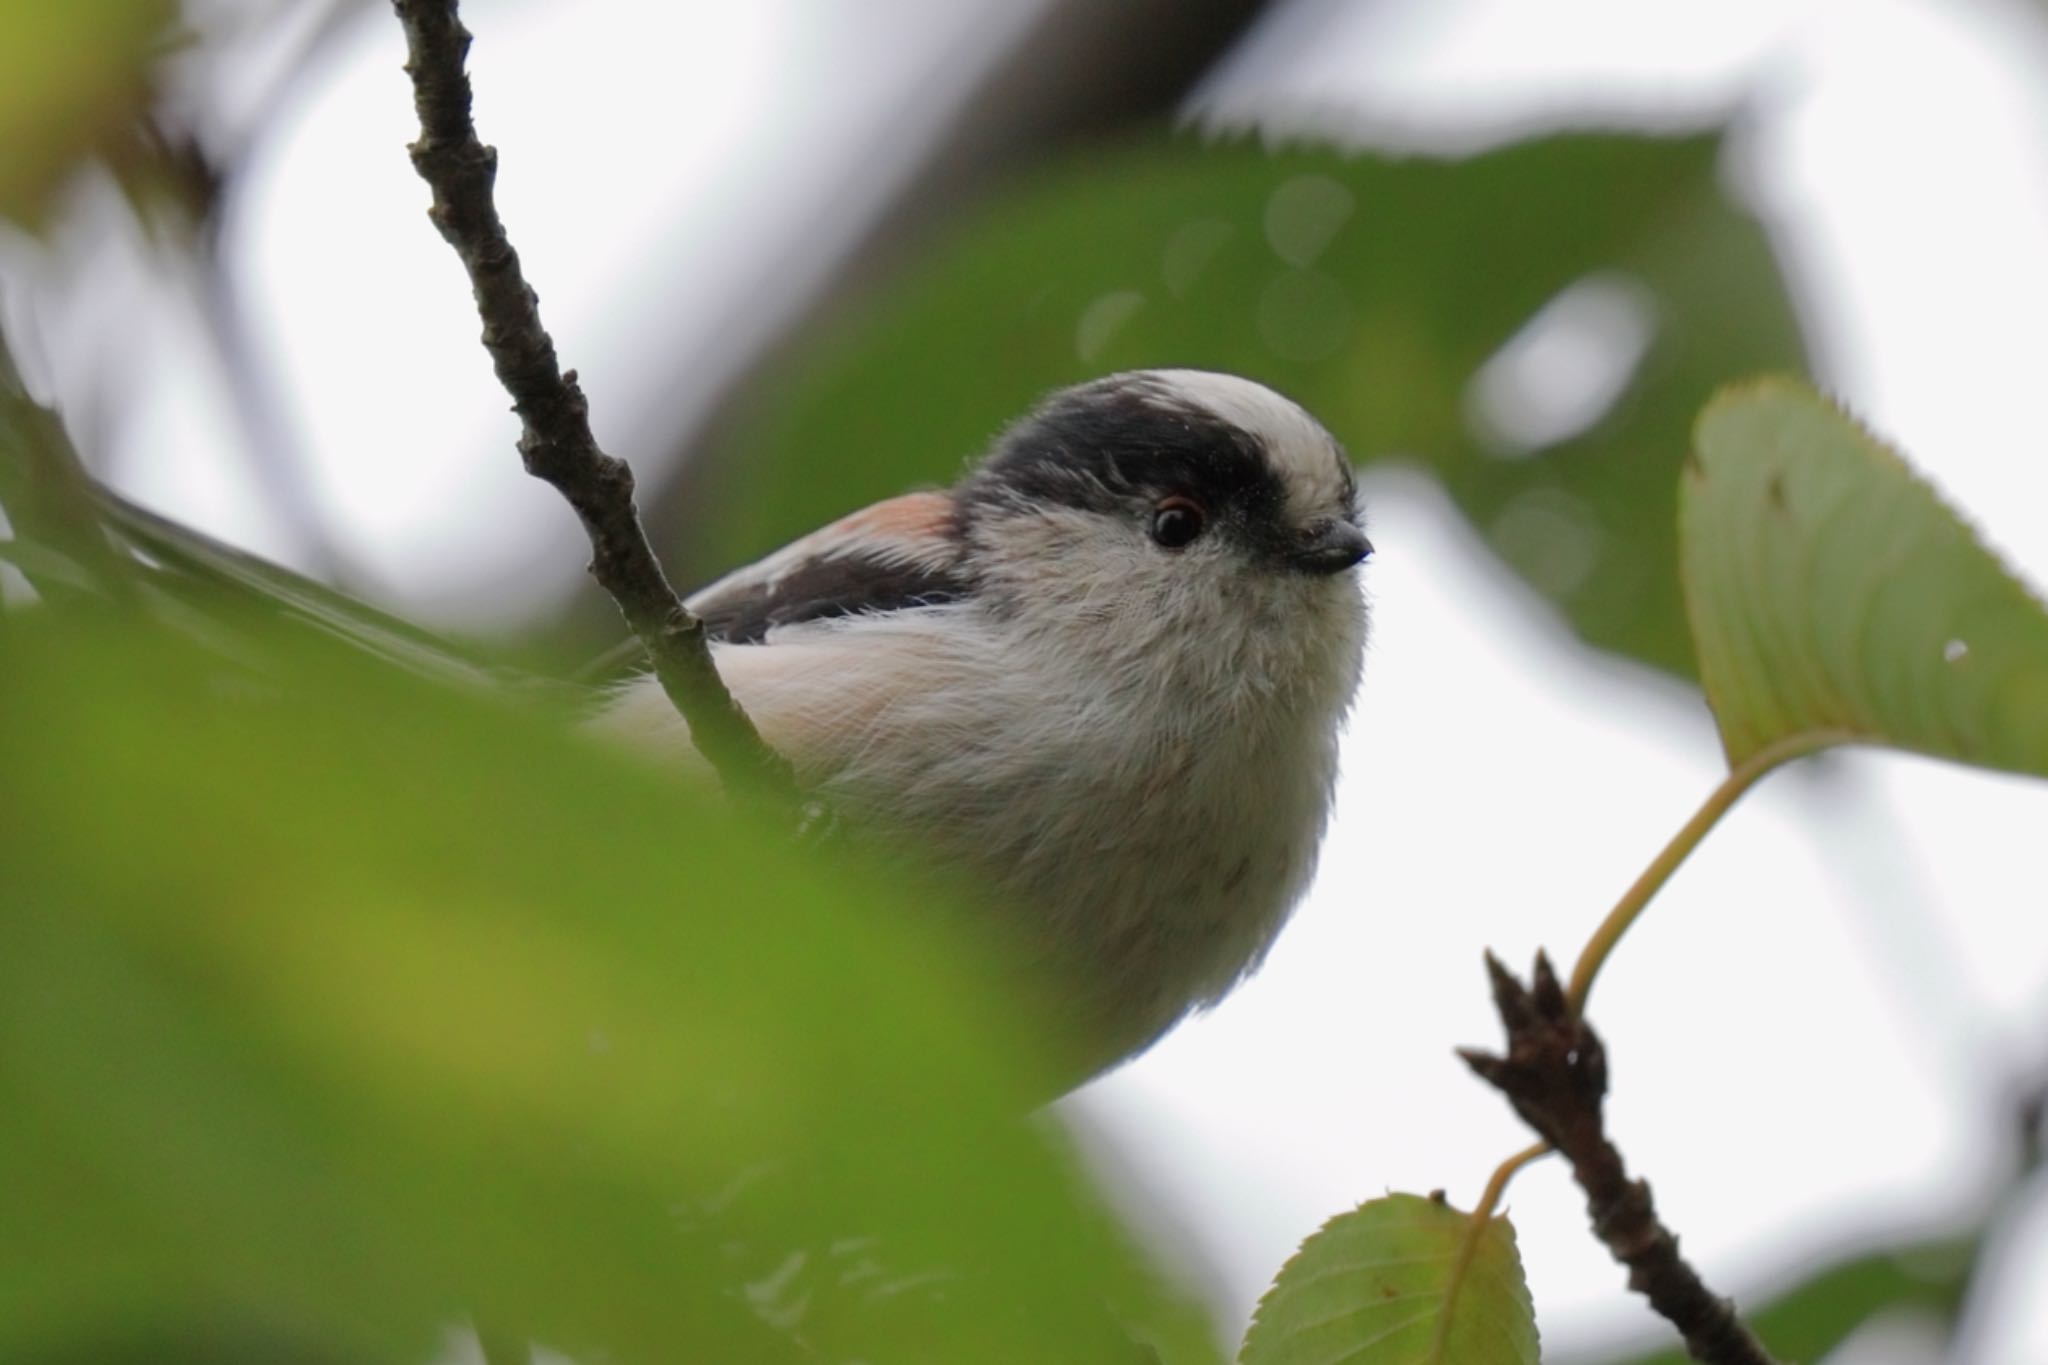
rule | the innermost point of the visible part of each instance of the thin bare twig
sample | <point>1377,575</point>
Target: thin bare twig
<point>555,439</point>
<point>1555,1075</point>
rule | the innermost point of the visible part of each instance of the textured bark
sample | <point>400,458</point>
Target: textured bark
<point>555,438</point>
<point>1555,1075</point>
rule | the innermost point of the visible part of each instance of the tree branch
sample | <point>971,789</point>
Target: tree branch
<point>555,439</point>
<point>1555,1075</point>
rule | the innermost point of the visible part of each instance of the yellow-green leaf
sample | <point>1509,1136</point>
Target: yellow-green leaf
<point>335,1007</point>
<point>1835,599</point>
<point>69,75</point>
<point>1370,1288</point>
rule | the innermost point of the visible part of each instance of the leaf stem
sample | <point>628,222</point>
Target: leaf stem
<point>1740,779</point>
<point>1475,1228</point>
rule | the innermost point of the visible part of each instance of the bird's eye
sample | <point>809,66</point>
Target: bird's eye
<point>1177,521</point>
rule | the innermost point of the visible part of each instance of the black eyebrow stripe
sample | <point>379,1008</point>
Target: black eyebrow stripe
<point>823,589</point>
<point>1094,446</point>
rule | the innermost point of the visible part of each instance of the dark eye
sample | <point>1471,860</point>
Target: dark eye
<point>1177,521</point>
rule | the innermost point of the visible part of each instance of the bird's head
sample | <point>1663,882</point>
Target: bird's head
<point>1176,510</point>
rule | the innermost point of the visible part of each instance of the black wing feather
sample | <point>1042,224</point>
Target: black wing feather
<point>824,588</point>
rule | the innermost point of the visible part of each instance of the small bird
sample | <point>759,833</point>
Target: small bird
<point>1103,674</point>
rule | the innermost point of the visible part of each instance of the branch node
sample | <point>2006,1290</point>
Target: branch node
<point>1554,1073</point>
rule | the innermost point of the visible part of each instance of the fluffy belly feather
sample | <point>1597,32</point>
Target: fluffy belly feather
<point>1142,869</point>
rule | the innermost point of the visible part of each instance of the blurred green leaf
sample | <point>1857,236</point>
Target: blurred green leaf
<point>197,574</point>
<point>1812,1318</point>
<point>47,498</point>
<point>1369,1287</point>
<point>1372,288</point>
<point>41,564</point>
<point>1835,599</point>
<point>71,75</point>
<point>335,1007</point>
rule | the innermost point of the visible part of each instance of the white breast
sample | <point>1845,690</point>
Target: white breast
<point>1155,824</point>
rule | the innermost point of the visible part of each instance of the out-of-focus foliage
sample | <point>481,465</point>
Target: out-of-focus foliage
<point>1835,599</point>
<point>1373,288</point>
<point>47,499</point>
<point>335,1005</point>
<point>72,75</point>
<point>1370,1286</point>
<point>193,574</point>
<point>1813,1317</point>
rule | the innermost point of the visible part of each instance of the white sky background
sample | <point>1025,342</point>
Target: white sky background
<point>1881,926</point>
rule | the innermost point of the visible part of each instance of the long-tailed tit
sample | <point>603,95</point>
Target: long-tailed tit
<point>1104,673</point>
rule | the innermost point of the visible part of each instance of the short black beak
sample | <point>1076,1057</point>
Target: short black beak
<point>1330,547</point>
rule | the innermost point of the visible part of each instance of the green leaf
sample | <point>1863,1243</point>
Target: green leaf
<point>1371,287</point>
<point>336,1007</point>
<point>71,75</point>
<point>201,575</point>
<point>1369,1288</point>
<point>47,499</point>
<point>1835,599</point>
<point>43,565</point>
<point>1810,1319</point>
